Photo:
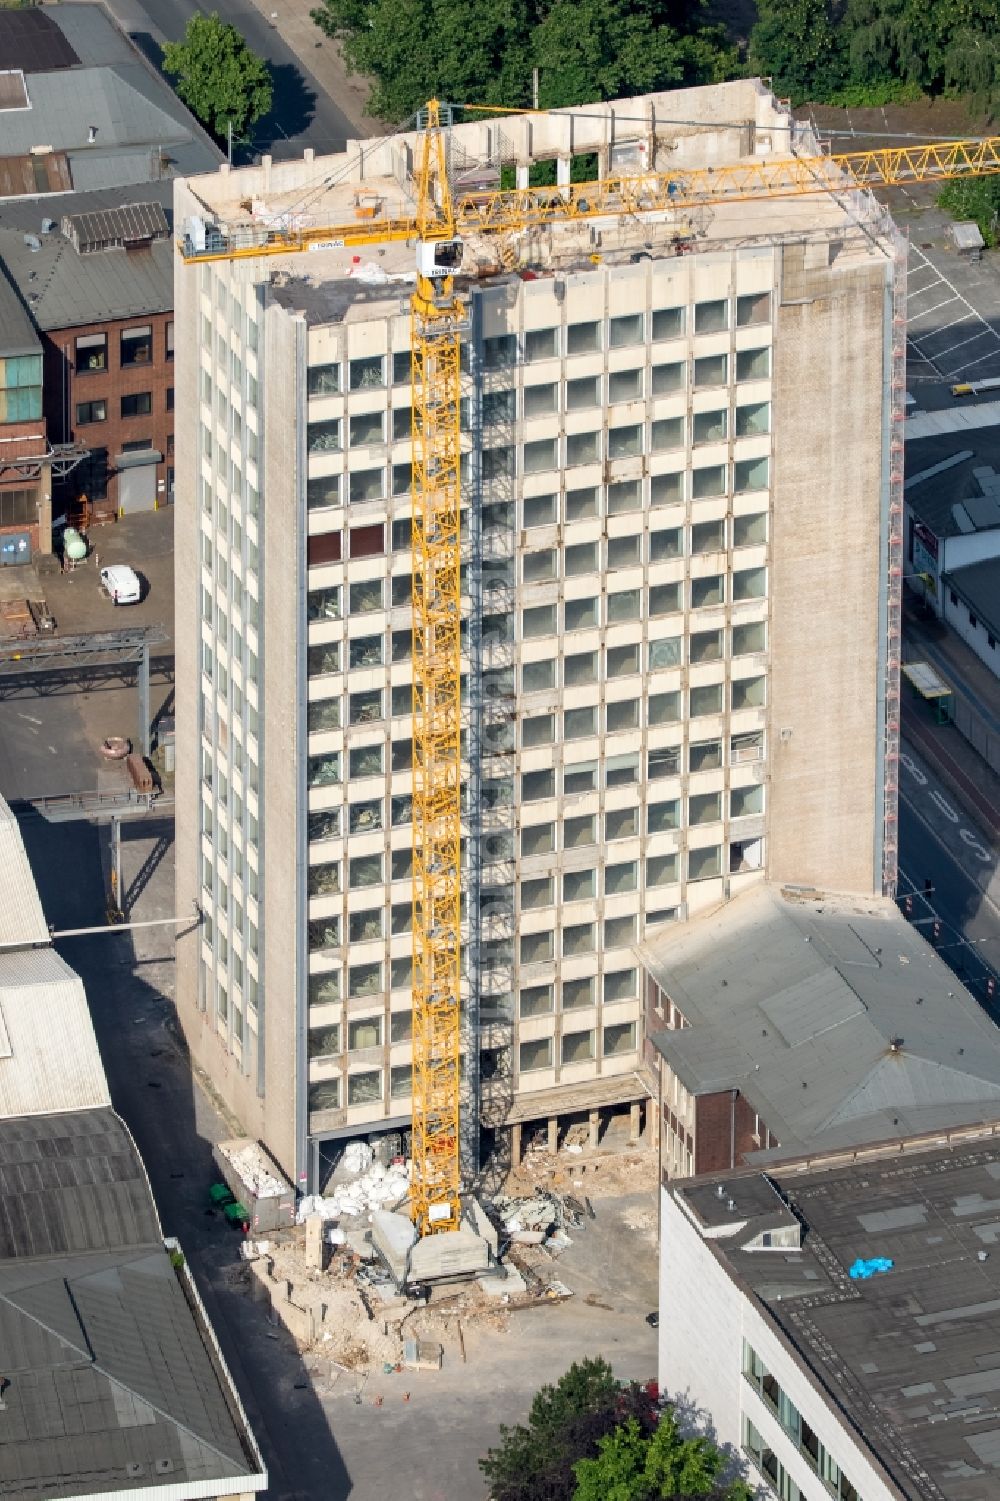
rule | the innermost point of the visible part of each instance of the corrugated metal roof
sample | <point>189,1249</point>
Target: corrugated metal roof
<point>27,176</point>
<point>54,1062</point>
<point>31,40</point>
<point>21,917</point>
<point>116,228</point>
<point>834,1017</point>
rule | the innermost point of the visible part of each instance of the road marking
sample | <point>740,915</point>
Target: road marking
<point>918,776</point>
<point>30,718</point>
<point>975,846</point>
<point>945,806</point>
<point>932,831</point>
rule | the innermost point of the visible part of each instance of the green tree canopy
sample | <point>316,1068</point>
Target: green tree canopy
<point>534,1461</point>
<point>793,43</point>
<point>219,78</point>
<point>976,198</point>
<point>584,49</point>
<point>662,1466</point>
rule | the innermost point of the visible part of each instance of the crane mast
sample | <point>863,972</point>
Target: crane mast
<point>436,327</point>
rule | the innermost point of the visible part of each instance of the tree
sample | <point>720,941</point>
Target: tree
<point>534,1462</point>
<point>223,82</point>
<point>662,1466</point>
<point>794,44</point>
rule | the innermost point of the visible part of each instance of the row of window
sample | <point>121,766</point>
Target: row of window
<point>369,429</point>
<point>371,372</point>
<point>809,1446</point>
<point>20,388</point>
<point>137,404</point>
<point>135,347</point>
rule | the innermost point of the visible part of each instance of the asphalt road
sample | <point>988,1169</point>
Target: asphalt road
<point>940,845</point>
<point>302,114</point>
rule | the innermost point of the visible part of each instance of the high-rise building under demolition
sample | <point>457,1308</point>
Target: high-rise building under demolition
<point>682,462</point>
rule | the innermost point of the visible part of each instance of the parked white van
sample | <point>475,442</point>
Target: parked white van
<point>122,584</point>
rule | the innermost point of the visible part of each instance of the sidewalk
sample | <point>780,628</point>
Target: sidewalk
<point>321,56</point>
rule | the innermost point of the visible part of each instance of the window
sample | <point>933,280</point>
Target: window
<point>364,1089</point>
<point>323,604</point>
<point>499,406</point>
<point>499,350</point>
<point>581,558</point>
<point>324,880</point>
<point>618,1038</point>
<point>711,317</point>
<point>577,1047</point>
<point>402,424</point>
<point>324,825</point>
<point>579,938</point>
<point>401,367</point>
<point>749,583</point>
<point>138,404</point>
<point>665,653</point>
<point>710,427</point>
<point>498,463</point>
<point>711,370</point>
<point>541,344</point>
<point>705,755</point>
<point>367,427</point>
<point>750,474</point>
<point>754,307</point>
<point>536,785</point>
<point>323,771</point>
<point>400,1081</point>
<point>538,621</point>
<point>583,338</point>
<point>535,1054</point>
<point>323,437</point>
<point>170,341</point>
<point>750,531</point>
<point>579,668</point>
<point>324,659</point>
<point>322,493</point>
<point>537,729</point>
<point>753,364</point>
<point>622,661</point>
<point>624,604</point>
<point>625,331</point>
<point>539,510</point>
<point>581,503</point>
<point>323,714</point>
<point>625,495</point>
<point>745,801</point>
<point>664,708</point>
<point>661,870</point>
<point>667,433</point>
<point>536,948</point>
<point>364,979</point>
<point>625,442</point>
<point>538,839</point>
<point>324,933</point>
<point>704,807</point>
<point>324,1095</point>
<point>625,385</point>
<point>366,596</point>
<point>537,893</point>
<point>623,552</point>
<point>748,693</point>
<point>365,817</point>
<point>580,614</point>
<point>367,374</point>
<point>623,715</point>
<point>578,993</point>
<point>579,778</point>
<point>703,864</point>
<point>169,408</point>
<point>91,353</point>
<point>662,818</point>
<point>749,638</point>
<point>536,676</point>
<point>537,566</point>
<point>753,418</point>
<point>539,455</point>
<point>579,832</point>
<point>365,651</point>
<point>535,1000</point>
<point>579,723</point>
<point>663,762</point>
<point>621,823</point>
<point>136,345</point>
<point>323,989</point>
<point>665,545</point>
<point>666,489</point>
<point>401,589</point>
<point>323,380</point>
<point>366,484</point>
<point>583,448</point>
<point>621,878</point>
<point>710,480</point>
<point>365,870</point>
<point>667,378</point>
<point>668,323</point>
<point>665,599</point>
<point>91,411</point>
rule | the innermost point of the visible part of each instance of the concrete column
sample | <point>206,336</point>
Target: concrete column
<point>521,176</point>
<point>515,1144</point>
<point>143,686</point>
<point>595,1129</point>
<point>635,1122</point>
<point>563,167</point>
<point>553,1133</point>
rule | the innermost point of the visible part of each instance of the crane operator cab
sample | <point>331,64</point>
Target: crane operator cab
<point>438,258</point>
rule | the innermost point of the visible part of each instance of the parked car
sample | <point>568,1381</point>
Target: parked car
<point>122,583</point>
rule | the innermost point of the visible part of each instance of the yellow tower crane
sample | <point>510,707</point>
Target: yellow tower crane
<point>436,226</point>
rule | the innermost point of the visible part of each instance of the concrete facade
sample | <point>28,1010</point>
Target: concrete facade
<point>648,529</point>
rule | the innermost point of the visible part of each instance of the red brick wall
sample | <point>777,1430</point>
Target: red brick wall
<point>718,1118</point>
<point>66,387</point>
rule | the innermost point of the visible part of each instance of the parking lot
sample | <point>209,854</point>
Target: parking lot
<point>51,725</point>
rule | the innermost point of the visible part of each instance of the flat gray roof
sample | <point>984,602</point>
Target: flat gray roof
<point>17,335</point>
<point>978,584</point>
<point>832,1016</point>
<point>911,1356</point>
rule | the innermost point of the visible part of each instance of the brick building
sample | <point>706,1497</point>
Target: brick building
<point>85,248</point>
<point>787,1022</point>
